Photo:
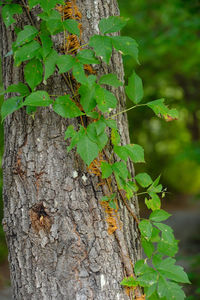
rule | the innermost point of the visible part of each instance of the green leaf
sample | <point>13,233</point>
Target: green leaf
<point>143,179</point>
<point>87,100</point>
<point>39,98</point>
<point>66,108</point>
<point>50,64</point>
<point>86,56</point>
<point>8,11</point>
<point>168,269</point>
<point>87,150</point>
<point>134,90</point>
<point>102,45</point>
<point>148,247</point>
<point>76,138</point>
<point>26,52</point>
<point>141,267</point>
<point>106,169</point>
<point>26,35</point>
<point>54,23</point>
<point>169,290</point>
<point>33,72</point>
<point>10,105</point>
<point>161,110</point>
<point>150,277</point>
<point>126,45</point>
<point>110,79</point>
<point>120,169</point>
<point>105,99</point>
<point>79,73</point>
<point>65,63</point>
<point>100,138</point>
<point>111,123</point>
<point>121,151</point>
<point>46,5</point>
<point>154,203</point>
<point>155,237</point>
<point>71,26</point>
<point>129,281</point>
<point>150,290</point>
<point>111,24</point>
<point>167,248</point>
<point>146,229</point>
<point>46,40</point>
<point>155,187</point>
<point>135,152</point>
<point>70,132</point>
<point>20,88</point>
<point>159,215</point>
<point>115,137</point>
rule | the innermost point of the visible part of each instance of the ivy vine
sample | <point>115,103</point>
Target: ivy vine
<point>157,274</point>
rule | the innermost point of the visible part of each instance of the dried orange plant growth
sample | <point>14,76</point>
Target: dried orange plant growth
<point>70,11</point>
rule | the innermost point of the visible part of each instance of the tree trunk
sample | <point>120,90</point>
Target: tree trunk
<point>55,225</point>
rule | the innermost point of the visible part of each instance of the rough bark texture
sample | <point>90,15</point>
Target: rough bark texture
<point>77,258</point>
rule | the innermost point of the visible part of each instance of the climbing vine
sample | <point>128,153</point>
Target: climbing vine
<point>95,107</point>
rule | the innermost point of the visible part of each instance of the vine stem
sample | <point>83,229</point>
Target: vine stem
<point>124,111</point>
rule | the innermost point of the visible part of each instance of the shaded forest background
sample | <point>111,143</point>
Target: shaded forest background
<point>168,36</point>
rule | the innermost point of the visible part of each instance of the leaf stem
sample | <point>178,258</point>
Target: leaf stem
<point>130,108</point>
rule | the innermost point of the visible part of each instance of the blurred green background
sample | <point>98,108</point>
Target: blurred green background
<point>169,52</point>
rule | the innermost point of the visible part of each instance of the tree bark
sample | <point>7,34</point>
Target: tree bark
<point>55,225</point>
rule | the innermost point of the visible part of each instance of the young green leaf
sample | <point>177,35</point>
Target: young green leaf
<point>87,150</point>
<point>146,229</point>
<point>110,79</point>
<point>10,105</point>
<point>134,90</point>
<point>26,52</point>
<point>106,169</point>
<point>33,72</point>
<point>26,35</point>
<point>143,179</point>
<point>20,88</point>
<point>129,281</point>
<point>159,215</point>
<point>86,56</point>
<point>39,98</point>
<point>111,24</point>
<point>8,11</point>
<point>102,46</point>
<point>71,26</point>
<point>66,108</point>
<point>65,63</point>
<point>126,45</point>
